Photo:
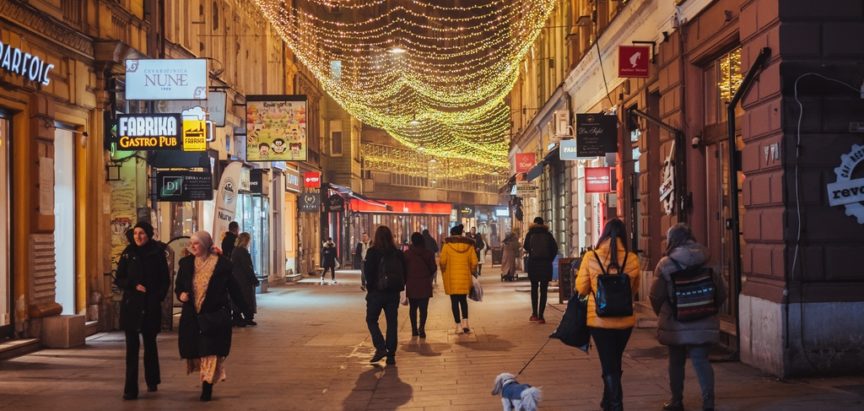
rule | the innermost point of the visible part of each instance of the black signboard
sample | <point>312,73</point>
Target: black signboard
<point>335,203</point>
<point>149,132</point>
<point>309,202</point>
<point>596,135</point>
<point>184,185</point>
<point>256,179</point>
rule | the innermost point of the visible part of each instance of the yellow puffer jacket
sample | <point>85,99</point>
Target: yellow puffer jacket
<point>586,283</point>
<point>458,261</point>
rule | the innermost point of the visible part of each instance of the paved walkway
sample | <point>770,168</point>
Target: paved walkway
<point>311,351</point>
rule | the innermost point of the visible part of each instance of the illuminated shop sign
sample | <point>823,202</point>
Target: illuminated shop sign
<point>170,79</point>
<point>149,132</point>
<point>24,64</point>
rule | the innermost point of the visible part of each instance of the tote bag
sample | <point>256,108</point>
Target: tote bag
<point>573,330</point>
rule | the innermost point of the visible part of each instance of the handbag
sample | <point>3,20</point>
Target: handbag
<point>573,329</point>
<point>476,293</point>
<point>614,297</point>
<point>694,293</point>
<point>212,322</point>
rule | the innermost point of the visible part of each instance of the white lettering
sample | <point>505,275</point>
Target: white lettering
<point>44,75</point>
<point>27,58</point>
<point>16,61</point>
<point>7,63</point>
<point>35,68</point>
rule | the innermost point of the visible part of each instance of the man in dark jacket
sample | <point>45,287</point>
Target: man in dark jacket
<point>429,242</point>
<point>230,239</point>
<point>479,246</point>
<point>328,256</point>
<point>542,250</point>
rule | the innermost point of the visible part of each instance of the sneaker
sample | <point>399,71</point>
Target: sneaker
<point>251,322</point>
<point>391,360</point>
<point>541,321</point>
<point>534,318</point>
<point>673,406</point>
<point>378,356</point>
<point>334,282</point>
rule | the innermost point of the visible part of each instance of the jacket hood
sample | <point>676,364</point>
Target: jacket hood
<point>689,254</point>
<point>460,244</point>
<point>538,227</point>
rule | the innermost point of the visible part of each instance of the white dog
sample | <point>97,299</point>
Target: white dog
<point>515,396</point>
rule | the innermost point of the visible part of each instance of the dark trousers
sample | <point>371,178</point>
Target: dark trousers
<point>704,372</point>
<point>539,290</point>
<point>151,361</point>
<point>413,305</point>
<point>389,302</point>
<point>457,300</point>
<point>610,348</point>
<point>332,272</point>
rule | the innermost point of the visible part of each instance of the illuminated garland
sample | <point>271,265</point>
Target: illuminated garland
<point>433,74</point>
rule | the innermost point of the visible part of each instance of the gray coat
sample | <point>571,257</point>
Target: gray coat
<point>669,330</point>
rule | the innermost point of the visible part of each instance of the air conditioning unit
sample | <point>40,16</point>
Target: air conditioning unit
<point>561,121</point>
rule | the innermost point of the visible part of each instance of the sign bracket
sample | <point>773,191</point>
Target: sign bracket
<point>653,48</point>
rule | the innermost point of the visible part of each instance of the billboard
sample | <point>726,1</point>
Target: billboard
<point>276,128</point>
<point>171,79</point>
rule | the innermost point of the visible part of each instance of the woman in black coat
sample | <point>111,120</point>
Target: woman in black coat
<point>204,282</point>
<point>142,274</point>
<point>244,274</point>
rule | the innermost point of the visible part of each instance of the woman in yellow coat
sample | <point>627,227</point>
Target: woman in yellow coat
<point>458,260</point>
<point>610,334</point>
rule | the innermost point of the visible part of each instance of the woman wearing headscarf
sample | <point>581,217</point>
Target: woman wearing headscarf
<point>244,274</point>
<point>142,274</point>
<point>458,263</point>
<point>610,333</point>
<point>204,282</point>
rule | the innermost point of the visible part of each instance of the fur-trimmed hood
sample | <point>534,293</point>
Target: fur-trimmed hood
<point>538,228</point>
<point>459,243</point>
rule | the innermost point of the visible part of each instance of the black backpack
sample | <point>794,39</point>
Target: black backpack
<point>539,246</point>
<point>391,272</point>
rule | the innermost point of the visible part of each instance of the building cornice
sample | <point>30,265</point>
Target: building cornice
<point>29,19</point>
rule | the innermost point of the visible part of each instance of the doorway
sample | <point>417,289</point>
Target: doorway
<point>64,218</point>
<point>6,327</point>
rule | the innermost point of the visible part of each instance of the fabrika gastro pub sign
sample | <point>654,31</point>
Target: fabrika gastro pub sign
<point>26,65</point>
<point>159,132</point>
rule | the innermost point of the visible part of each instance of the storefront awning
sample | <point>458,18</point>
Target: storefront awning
<point>348,193</point>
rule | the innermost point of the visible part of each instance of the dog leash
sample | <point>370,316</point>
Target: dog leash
<point>532,358</point>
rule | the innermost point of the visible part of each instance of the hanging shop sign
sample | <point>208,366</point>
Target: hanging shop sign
<point>149,132</point>
<point>292,180</point>
<point>598,179</point>
<point>596,135</point>
<point>633,61</point>
<point>567,150</point>
<point>466,211</point>
<point>170,79</point>
<point>525,161</point>
<point>184,185</point>
<point>310,202</point>
<point>335,203</point>
<point>312,179</point>
<point>256,181</point>
<point>26,65</point>
<point>667,186</point>
<point>226,196</point>
<point>194,135</point>
<point>527,190</point>
<point>846,191</point>
<point>276,128</point>
<point>502,212</point>
<point>214,106</point>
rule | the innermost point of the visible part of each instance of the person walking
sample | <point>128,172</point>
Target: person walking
<point>229,239</point>
<point>685,339</point>
<point>542,250</point>
<point>385,275</point>
<point>361,249</point>
<point>509,250</point>
<point>421,267</point>
<point>610,334</point>
<point>479,247</point>
<point>458,262</point>
<point>244,275</point>
<point>329,260</point>
<point>204,283</point>
<point>432,246</point>
<point>143,275</point>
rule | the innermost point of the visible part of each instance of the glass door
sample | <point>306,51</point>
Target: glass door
<point>5,266</point>
<point>64,218</point>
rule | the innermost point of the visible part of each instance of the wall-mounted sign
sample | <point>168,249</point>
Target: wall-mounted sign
<point>847,191</point>
<point>667,186</point>
<point>502,212</point>
<point>194,135</point>
<point>184,185</point>
<point>214,106</point>
<point>567,150</point>
<point>172,79</point>
<point>312,179</point>
<point>598,179</point>
<point>309,202</point>
<point>149,132</point>
<point>293,180</point>
<point>276,128</point>
<point>256,181</point>
<point>633,61</point>
<point>335,203</point>
<point>596,135</point>
<point>525,161</point>
<point>466,211</point>
<point>527,190</point>
<point>26,65</point>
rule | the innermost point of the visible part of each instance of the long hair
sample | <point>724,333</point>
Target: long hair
<point>384,239</point>
<point>243,240</point>
<point>678,235</point>
<point>613,231</point>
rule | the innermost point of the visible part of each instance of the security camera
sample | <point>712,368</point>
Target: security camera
<point>696,141</point>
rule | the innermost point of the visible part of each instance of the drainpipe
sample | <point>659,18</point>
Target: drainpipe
<point>734,222</point>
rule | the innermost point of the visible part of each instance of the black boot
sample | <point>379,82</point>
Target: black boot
<point>616,394</point>
<point>206,391</point>
<point>604,403</point>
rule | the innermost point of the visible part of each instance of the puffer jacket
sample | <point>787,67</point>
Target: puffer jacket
<point>669,330</point>
<point>458,260</point>
<point>586,284</point>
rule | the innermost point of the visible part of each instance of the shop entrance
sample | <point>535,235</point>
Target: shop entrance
<point>64,218</point>
<point>6,327</point>
<point>253,215</point>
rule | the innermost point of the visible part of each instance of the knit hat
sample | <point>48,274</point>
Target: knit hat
<point>538,220</point>
<point>148,229</point>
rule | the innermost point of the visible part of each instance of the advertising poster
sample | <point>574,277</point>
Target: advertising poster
<point>276,128</point>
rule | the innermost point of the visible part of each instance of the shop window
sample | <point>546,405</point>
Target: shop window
<point>721,80</point>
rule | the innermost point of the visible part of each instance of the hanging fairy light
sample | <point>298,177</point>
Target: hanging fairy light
<point>433,74</point>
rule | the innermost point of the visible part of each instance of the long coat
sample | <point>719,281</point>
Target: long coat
<point>458,261</point>
<point>329,255</point>
<point>586,283</point>
<point>148,266</point>
<point>192,343</point>
<point>540,269</point>
<point>669,330</point>
<point>420,264</point>
<point>244,274</point>
<point>228,243</point>
<point>510,250</point>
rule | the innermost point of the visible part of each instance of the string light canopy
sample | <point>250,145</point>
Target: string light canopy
<point>432,73</point>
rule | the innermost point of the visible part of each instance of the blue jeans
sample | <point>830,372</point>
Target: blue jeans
<point>704,372</point>
<point>389,302</point>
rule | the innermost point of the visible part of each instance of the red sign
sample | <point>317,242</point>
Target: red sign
<point>312,179</point>
<point>633,61</point>
<point>401,207</point>
<point>598,179</point>
<point>525,161</point>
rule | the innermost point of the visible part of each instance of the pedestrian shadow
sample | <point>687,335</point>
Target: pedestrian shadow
<point>487,342</point>
<point>378,388</point>
<point>425,349</point>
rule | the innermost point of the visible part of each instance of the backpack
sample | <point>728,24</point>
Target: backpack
<point>391,273</point>
<point>614,296</point>
<point>539,246</point>
<point>694,293</point>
